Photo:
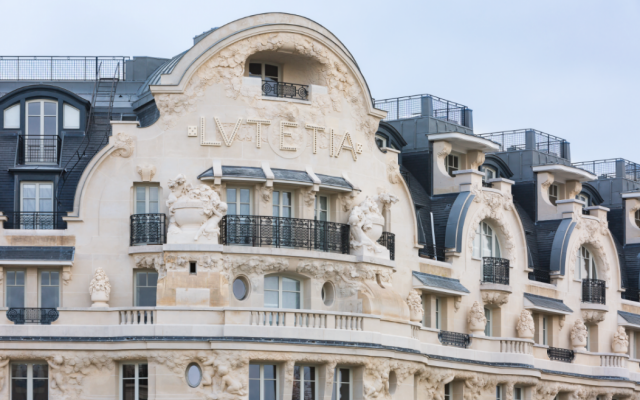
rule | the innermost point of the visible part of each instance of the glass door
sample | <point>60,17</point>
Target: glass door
<point>241,226</point>
<point>36,208</point>
<point>41,144</point>
<point>283,224</point>
<point>321,215</point>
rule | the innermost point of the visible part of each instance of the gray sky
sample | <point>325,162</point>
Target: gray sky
<point>570,68</point>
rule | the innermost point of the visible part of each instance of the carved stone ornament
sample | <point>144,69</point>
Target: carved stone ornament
<point>561,322</point>
<point>195,212</point>
<point>385,200</point>
<point>414,300</point>
<point>445,151</point>
<point>620,343</point>
<point>100,289</point>
<point>393,172</point>
<point>366,228</point>
<point>593,233</point>
<point>476,319</point>
<point>124,145</point>
<point>146,171</point>
<point>457,303</point>
<point>495,297</point>
<point>593,316</point>
<point>525,326</point>
<point>152,261</point>
<point>579,335</point>
<point>347,200</point>
<point>265,193</point>
<point>309,197</point>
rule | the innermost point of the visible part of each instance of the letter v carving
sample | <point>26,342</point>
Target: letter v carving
<point>228,140</point>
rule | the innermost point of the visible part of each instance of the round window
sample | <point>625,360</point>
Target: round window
<point>194,375</point>
<point>327,293</point>
<point>240,288</point>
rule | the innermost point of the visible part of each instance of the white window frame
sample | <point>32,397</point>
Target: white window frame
<point>263,68</point>
<point>493,170</point>
<point>6,285</point>
<point>487,328</point>
<point>72,109</point>
<point>337,382</point>
<point>452,162</point>
<point>553,194</point>
<point>40,271</point>
<point>383,139</point>
<point>280,290</point>
<point>147,199</point>
<point>238,203</point>
<point>136,379</point>
<point>593,267</point>
<point>545,331</point>
<point>37,183</point>
<point>277,380</point>
<point>4,116</point>
<point>280,204</point>
<point>317,210</point>
<point>499,392</point>
<point>447,388</point>
<point>42,115</point>
<point>438,313</point>
<point>302,380</point>
<point>135,285</point>
<point>583,197</point>
<point>518,393</point>
<point>29,378</point>
<point>478,242</point>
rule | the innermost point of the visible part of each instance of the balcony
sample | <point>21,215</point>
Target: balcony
<point>454,339</point>
<point>285,90</point>
<point>594,291</point>
<point>612,168</point>
<point>529,139</point>
<point>540,275</point>
<point>388,240</point>
<point>42,316</point>
<point>148,229</point>
<point>295,233</point>
<point>425,105</point>
<point>495,270</point>
<point>39,149</point>
<point>564,355</point>
<point>35,220</point>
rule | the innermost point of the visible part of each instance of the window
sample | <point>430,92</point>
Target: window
<point>588,347</point>
<point>342,384</point>
<point>321,208</point>
<point>282,204</point>
<point>240,288</point>
<point>381,141</point>
<point>517,393</point>
<point>37,197</point>
<point>544,331</point>
<point>438,313</point>
<point>304,383</point>
<point>498,392</point>
<point>42,126</point>
<point>147,199</point>
<point>490,173</point>
<point>553,194</point>
<point>447,391</point>
<point>29,381</point>
<point>193,374</point>
<point>487,327</point>
<point>453,164</point>
<point>146,285</point>
<point>15,297</point>
<point>486,244</point>
<point>135,382</point>
<point>49,289</point>
<point>70,117</point>
<point>193,268</point>
<point>281,292</point>
<point>637,217</point>
<point>12,117</point>
<point>239,201</point>
<point>584,198</point>
<point>263,382</point>
<point>266,72</point>
<point>585,265</point>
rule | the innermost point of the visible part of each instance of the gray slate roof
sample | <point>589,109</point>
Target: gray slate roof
<point>279,174</point>
<point>629,317</point>
<point>547,302</point>
<point>333,181</point>
<point>290,175</point>
<point>37,253</point>
<point>440,282</point>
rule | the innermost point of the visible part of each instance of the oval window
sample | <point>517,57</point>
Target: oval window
<point>194,375</point>
<point>240,288</point>
<point>327,293</point>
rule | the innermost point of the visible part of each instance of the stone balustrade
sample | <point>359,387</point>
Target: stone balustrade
<point>613,360</point>
<point>517,346</point>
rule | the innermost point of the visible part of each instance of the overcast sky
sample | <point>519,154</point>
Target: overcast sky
<point>570,68</point>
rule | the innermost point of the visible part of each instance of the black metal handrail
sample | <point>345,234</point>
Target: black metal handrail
<point>594,291</point>
<point>585,212</point>
<point>495,270</point>
<point>612,168</point>
<point>412,107</point>
<point>557,354</point>
<point>540,275</point>
<point>284,89</point>
<point>454,339</point>
<point>58,68</point>
<point>43,316</point>
<point>428,251</point>
<point>39,149</point>
<point>517,140</point>
<point>148,229</point>
<point>35,220</point>
<point>388,240</point>
<point>309,234</point>
<point>487,184</point>
<point>631,294</point>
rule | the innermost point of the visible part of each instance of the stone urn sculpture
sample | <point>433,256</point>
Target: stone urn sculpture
<point>579,335</point>
<point>476,319</point>
<point>620,343</point>
<point>414,301</point>
<point>525,326</point>
<point>367,225</point>
<point>100,289</point>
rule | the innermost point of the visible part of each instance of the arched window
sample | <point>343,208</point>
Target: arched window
<point>486,242</point>
<point>584,198</point>
<point>282,292</point>
<point>585,265</point>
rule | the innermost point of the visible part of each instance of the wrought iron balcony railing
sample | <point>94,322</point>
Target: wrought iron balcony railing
<point>35,220</point>
<point>43,316</point>
<point>39,149</point>
<point>308,234</point>
<point>487,184</point>
<point>59,68</point>
<point>556,354</point>
<point>612,168</point>
<point>495,270</point>
<point>540,275</point>
<point>528,139</point>
<point>423,105</point>
<point>594,291</point>
<point>284,89</point>
<point>428,251</point>
<point>148,229</point>
<point>454,339</point>
<point>388,240</point>
<point>631,294</point>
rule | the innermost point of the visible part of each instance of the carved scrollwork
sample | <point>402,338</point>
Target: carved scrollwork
<point>123,145</point>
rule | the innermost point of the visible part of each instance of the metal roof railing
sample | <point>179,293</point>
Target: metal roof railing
<point>59,68</point>
<point>517,140</point>
<point>413,106</point>
<point>612,168</point>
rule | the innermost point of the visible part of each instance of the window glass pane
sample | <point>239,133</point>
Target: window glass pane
<point>254,371</point>
<point>50,108</point>
<point>286,198</point>
<point>20,278</point>
<point>269,390</point>
<point>146,297</point>
<point>143,371</point>
<point>18,370</point>
<point>15,296</point>
<point>231,195</point>
<point>129,371</point>
<point>152,279</point>
<point>40,371</point>
<point>290,284</point>
<point>270,71</point>
<point>244,196</point>
<point>46,190</point>
<point>141,278</point>
<point>269,372</point>
<point>276,198</point>
<point>34,108</point>
<point>50,296</point>
<point>245,209</point>
<point>231,209</point>
<point>271,282</point>
<point>143,389</point>
<point>286,212</point>
<point>44,278</point>
<point>29,191</point>
<point>323,202</point>
<point>487,245</point>
<point>71,118</point>
<point>18,389</point>
<point>34,126</point>
<point>50,127</point>
<point>254,389</point>
<point>271,299</point>
<point>291,300</point>
<point>255,69</point>
<point>11,278</point>
<point>12,117</point>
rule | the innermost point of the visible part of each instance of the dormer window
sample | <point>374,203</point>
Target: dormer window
<point>490,173</point>
<point>12,117</point>
<point>381,141</point>
<point>553,194</point>
<point>583,198</point>
<point>42,118</point>
<point>453,164</point>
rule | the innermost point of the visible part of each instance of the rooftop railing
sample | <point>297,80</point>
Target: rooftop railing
<point>612,168</point>
<point>528,139</point>
<point>59,68</point>
<point>424,105</point>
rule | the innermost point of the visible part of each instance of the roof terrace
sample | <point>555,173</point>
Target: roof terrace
<point>612,168</point>
<point>59,68</point>
<point>425,105</point>
<point>529,139</point>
